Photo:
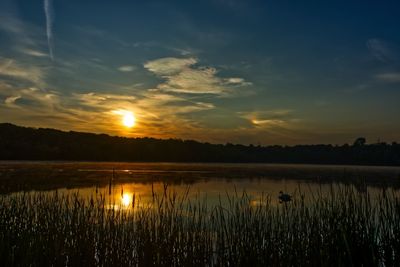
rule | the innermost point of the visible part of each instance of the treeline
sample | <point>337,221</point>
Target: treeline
<point>21,143</point>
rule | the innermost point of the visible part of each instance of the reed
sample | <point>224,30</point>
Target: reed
<point>341,228</point>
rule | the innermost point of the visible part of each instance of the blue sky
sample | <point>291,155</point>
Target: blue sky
<point>261,72</point>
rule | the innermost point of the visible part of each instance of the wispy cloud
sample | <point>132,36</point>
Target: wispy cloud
<point>270,118</point>
<point>10,24</point>
<point>126,68</point>
<point>169,65</point>
<point>157,114</point>
<point>11,99</point>
<point>21,36</point>
<point>183,75</point>
<point>25,99</point>
<point>32,98</point>
<point>12,69</point>
<point>32,52</point>
<point>101,101</point>
<point>382,50</point>
<point>393,77</point>
<point>237,82</point>
<point>48,9</point>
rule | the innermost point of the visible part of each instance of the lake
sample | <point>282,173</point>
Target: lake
<point>172,214</point>
<point>119,183</point>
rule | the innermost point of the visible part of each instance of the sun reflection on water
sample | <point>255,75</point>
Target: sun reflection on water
<point>126,199</point>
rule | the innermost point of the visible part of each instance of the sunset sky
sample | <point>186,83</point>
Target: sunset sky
<point>261,72</point>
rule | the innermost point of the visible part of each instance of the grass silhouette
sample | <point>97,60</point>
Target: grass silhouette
<point>341,228</point>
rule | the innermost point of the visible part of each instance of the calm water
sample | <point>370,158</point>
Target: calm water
<point>214,192</point>
<point>121,183</point>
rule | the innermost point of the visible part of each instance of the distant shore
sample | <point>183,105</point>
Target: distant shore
<point>22,143</point>
<point>45,175</point>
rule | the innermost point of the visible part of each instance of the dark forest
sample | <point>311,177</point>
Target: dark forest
<point>22,143</point>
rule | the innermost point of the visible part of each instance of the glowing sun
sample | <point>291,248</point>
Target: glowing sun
<point>128,119</point>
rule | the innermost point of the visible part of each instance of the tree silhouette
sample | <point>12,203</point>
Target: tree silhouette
<point>360,141</point>
<point>21,143</point>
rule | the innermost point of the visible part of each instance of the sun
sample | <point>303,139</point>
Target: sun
<point>128,119</point>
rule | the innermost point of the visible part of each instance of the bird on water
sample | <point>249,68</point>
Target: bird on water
<point>284,197</point>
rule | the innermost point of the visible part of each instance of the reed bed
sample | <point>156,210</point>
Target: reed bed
<point>341,228</point>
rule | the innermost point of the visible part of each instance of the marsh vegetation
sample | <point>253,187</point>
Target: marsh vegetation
<point>341,227</point>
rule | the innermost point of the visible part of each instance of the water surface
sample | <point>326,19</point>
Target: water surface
<point>124,184</point>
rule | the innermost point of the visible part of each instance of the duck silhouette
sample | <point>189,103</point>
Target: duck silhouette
<point>284,197</point>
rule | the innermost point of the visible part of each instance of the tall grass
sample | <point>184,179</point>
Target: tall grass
<point>341,228</point>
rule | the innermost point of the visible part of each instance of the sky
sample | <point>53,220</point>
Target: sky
<point>249,72</point>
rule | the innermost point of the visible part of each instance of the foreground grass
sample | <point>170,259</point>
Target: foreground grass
<point>342,228</point>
